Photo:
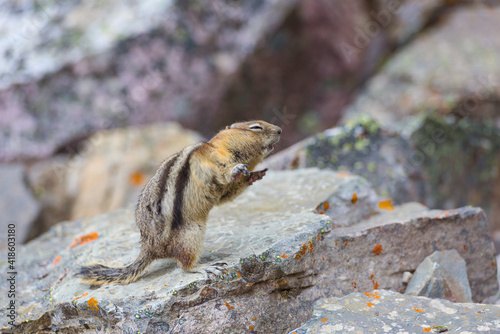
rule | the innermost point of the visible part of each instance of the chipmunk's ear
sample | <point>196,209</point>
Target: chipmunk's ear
<point>227,127</point>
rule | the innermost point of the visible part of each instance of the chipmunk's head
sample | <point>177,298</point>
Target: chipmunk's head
<point>263,134</point>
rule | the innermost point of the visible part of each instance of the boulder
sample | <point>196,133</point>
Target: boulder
<point>435,111</point>
<point>363,147</point>
<point>441,275</point>
<point>116,164</point>
<point>441,82</point>
<point>72,69</point>
<point>405,19</point>
<point>446,107</point>
<point>281,256</point>
<point>18,206</point>
<point>390,312</point>
<point>107,172</point>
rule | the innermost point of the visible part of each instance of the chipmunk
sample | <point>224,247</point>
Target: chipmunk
<point>173,207</point>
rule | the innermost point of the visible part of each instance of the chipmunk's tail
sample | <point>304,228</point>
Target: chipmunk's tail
<point>101,274</point>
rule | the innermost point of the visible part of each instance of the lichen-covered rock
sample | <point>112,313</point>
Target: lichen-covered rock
<point>76,69</point>
<point>362,147</point>
<point>18,206</point>
<point>281,257</point>
<point>408,165</point>
<point>447,103</point>
<point>441,275</point>
<point>459,78</point>
<point>427,128</point>
<point>390,312</point>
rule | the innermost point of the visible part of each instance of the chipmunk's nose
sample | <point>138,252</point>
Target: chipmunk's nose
<point>279,131</point>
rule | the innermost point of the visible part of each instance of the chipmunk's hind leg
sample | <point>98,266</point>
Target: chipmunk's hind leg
<point>187,247</point>
<point>185,244</point>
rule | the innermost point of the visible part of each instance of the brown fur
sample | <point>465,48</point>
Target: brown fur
<point>173,207</point>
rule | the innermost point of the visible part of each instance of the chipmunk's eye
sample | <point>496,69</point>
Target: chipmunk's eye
<point>256,127</point>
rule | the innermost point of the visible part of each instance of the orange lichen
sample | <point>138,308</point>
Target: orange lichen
<point>254,318</point>
<point>371,276</point>
<point>354,285</point>
<point>426,329</point>
<point>377,250</point>
<point>386,205</point>
<point>345,244</point>
<point>354,198</point>
<point>82,240</point>
<point>137,179</point>
<point>322,207</point>
<point>284,256</point>
<point>239,275</point>
<point>373,295</point>
<point>93,304</point>
<point>229,307</point>
<point>369,304</point>
<point>418,309</point>
<point>324,319</point>
<point>323,258</point>
<point>343,174</point>
<point>492,264</point>
<point>375,285</point>
<point>83,295</point>
<point>464,247</point>
<point>251,328</point>
<point>56,260</point>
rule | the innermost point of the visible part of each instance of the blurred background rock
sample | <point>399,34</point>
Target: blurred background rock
<point>88,91</point>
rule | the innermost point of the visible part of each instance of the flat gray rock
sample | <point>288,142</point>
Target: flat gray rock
<point>441,275</point>
<point>384,311</point>
<point>281,255</point>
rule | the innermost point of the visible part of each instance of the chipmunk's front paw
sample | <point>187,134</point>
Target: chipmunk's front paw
<point>238,170</point>
<point>255,176</point>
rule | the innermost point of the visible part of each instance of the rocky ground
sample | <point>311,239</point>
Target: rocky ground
<point>399,105</point>
<point>284,252</point>
<point>396,313</point>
